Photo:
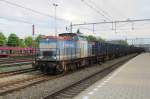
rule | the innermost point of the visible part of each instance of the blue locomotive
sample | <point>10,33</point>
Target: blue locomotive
<point>70,51</point>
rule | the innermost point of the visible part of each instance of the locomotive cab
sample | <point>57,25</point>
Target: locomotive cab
<point>53,50</point>
<point>47,49</point>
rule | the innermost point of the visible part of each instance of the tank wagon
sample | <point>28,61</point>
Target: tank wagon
<point>70,51</point>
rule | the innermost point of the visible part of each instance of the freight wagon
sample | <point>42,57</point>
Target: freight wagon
<point>6,51</point>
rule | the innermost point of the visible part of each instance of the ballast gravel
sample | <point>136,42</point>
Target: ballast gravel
<point>41,90</point>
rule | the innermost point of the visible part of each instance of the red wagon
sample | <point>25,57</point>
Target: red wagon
<point>16,51</point>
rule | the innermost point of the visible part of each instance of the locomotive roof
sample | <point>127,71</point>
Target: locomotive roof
<point>55,37</point>
<point>68,34</point>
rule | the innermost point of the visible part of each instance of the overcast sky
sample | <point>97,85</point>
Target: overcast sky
<point>76,11</point>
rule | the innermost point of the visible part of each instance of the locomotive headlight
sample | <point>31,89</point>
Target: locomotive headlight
<point>54,57</point>
<point>40,57</point>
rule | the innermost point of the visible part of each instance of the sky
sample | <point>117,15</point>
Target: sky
<point>76,11</point>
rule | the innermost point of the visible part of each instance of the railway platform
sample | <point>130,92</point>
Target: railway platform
<point>130,81</point>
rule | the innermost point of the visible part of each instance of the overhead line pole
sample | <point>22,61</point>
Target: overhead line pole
<point>33,31</point>
<point>93,29</point>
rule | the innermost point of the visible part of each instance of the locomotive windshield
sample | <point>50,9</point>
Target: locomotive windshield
<point>47,49</point>
<point>48,53</point>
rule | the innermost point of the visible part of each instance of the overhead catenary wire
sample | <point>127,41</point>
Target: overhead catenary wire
<point>23,21</point>
<point>16,20</point>
<point>29,9</point>
<point>32,10</point>
<point>117,21</point>
<point>104,12</point>
<point>101,14</point>
<point>115,27</point>
<point>100,9</point>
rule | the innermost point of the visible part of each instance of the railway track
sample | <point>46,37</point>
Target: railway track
<point>13,58</point>
<point>13,61</point>
<point>18,84</point>
<point>6,86</point>
<point>11,65</point>
<point>16,72</point>
<point>14,68</point>
<point>14,64</point>
<point>71,91</point>
<point>2,61</point>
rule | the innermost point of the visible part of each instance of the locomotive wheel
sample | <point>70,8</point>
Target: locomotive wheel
<point>51,69</point>
<point>72,67</point>
<point>78,65</point>
<point>42,68</point>
<point>59,68</point>
<point>45,69</point>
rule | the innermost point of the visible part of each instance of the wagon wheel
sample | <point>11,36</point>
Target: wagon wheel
<point>59,68</point>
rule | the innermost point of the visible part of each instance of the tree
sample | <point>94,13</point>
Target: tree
<point>100,39</point>
<point>2,39</point>
<point>13,40</point>
<point>21,43</point>
<point>91,38</point>
<point>28,41</point>
<point>121,42</point>
<point>78,31</point>
<point>36,41</point>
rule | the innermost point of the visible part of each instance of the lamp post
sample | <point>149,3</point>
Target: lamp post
<point>55,6</point>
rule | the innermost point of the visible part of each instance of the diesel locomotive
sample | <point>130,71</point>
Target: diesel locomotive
<point>70,51</point>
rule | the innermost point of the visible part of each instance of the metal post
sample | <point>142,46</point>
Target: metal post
<point>71,27</point>
<point>33,31</point>
<point>115,27</point>
<point>112,26</point>
<point>132,26</point>
<point>55,6</point>
<point>93,29</point>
